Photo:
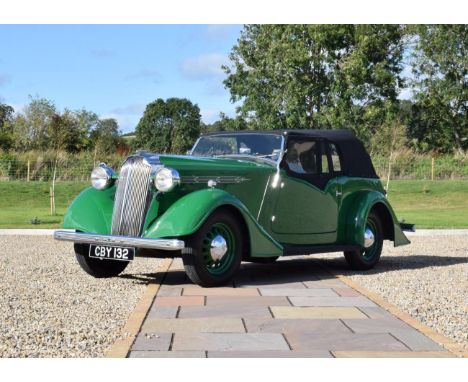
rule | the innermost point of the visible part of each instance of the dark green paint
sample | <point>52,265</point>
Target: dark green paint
<point>303,214</point>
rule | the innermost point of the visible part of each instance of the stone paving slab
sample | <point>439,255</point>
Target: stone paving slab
<point>167,354</point>
<point>153,341</point>
<point>225,310</point>
<point>185,325</point>
<point>298,340</point>
<point>414,340</point>
<point>282,310</point>
<point>392,354</point>
<point>221,292</point>
<point>248,300</point>
<point>277,325</point>
<point>230,341</point>
<point>331,301</point>
<point>386,324</point>
<point>180,300</point>
<point>162,312</point>
<point>298,292</point>
<point>313,312</point>
<point>270,354</point>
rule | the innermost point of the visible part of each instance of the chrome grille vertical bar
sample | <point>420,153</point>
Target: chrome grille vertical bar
<point>132,197</point>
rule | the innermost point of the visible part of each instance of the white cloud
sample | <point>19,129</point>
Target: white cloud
<point>209,115</point>
<point>203,67</point>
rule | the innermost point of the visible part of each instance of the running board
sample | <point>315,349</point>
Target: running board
<point>294,250</point>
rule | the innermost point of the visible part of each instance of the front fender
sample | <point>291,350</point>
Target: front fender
<point>356,210</point>
<point>188,213</point>
<point>91,211</point>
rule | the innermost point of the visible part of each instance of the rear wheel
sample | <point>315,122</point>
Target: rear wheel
<point>214,253</point>
<point>98,268</point>
<point>369,256</point>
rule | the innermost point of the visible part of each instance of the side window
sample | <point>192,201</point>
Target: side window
<point>335,157</point>
<point>324,159</point>
<point>301,156</point>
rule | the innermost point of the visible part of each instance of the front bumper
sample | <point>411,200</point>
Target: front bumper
<point>124,241</point>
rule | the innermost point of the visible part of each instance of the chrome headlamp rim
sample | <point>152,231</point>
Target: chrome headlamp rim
<point>102,172</point>
<point>166,171</point>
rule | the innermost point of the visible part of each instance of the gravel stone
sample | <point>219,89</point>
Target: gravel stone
<point>49,307</point>
<point>427,279</point>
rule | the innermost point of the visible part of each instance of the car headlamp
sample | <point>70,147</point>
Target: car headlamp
<point>102,177</point>
<point>166,179</point>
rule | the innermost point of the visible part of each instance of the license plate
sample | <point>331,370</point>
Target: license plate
<point>111,253</point>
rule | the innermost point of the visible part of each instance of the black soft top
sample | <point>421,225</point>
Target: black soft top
<point>356,160</point>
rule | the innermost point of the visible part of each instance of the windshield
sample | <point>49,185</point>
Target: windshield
<point>267,146</point>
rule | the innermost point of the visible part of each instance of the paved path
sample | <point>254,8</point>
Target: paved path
<point>292,308</point>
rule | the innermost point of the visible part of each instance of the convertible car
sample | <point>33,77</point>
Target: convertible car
<point>237,196</point>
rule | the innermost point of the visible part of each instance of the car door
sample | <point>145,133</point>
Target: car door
<point>307,202</point>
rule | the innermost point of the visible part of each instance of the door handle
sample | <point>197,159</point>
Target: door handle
<point>338,193</point>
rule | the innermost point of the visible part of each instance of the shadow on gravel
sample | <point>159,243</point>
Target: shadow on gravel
<point>290,271</point>
<point>396,263</point>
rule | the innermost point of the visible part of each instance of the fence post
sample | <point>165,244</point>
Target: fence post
<point>29,170</point>
<point>51,202</point>
<point>432,167</point>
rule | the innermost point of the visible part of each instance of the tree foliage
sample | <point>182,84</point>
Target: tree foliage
<point>106,136</point>
<point>315,76</point>
<point>440,67</point>
<point>170,126</point>
<point>6,127</point>
<point>226,123</point>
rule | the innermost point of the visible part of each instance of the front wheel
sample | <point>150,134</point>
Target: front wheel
<point>369,256</point>
<point>98,268</point>
<point>214,253</point>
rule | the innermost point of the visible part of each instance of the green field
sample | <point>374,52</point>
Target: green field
<point>437,204</point>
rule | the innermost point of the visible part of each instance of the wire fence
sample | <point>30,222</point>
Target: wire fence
<point>73,169</point>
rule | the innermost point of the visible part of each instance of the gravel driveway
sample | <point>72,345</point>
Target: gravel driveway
<point>427,279</point>
<point>50,308</point>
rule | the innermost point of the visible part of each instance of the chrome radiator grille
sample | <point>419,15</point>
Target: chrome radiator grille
<point>131,197</point>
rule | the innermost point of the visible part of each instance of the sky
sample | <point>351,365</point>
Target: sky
<point>116,70</point>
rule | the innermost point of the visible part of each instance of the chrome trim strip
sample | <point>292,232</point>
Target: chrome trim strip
<point>263,197</point>
<point>138,242</point>
<point>218,179</point>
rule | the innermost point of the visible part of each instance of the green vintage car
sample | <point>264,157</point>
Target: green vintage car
<point>237,196</point>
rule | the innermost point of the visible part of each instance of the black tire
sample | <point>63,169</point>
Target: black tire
<point>98,268</point>
<point>198,263</point>
<point>367,258</point>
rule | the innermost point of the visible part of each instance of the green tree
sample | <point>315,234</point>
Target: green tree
<point>226,123</point>
<point>106,136</point>
<point>315,76</point>
<point>33,126</point>
<point>170,126</point>
<point>6,127</point>
<point>440,67</point>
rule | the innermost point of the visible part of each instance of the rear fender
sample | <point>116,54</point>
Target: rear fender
<point>357,209</point>
<point>188,213</point>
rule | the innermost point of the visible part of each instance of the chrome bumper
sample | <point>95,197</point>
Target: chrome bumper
<point>124,241</point>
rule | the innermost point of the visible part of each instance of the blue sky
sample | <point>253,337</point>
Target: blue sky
<point>115,70</point>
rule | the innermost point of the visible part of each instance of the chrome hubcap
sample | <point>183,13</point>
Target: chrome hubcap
<point>369,238</point>
<point>218,248</point>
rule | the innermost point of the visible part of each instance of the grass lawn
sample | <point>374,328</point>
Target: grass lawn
<point>21,202</point>
<point>438,204</point>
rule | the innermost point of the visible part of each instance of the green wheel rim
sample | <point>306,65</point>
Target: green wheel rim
<point>369,253</point>
<point>221,266</point>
